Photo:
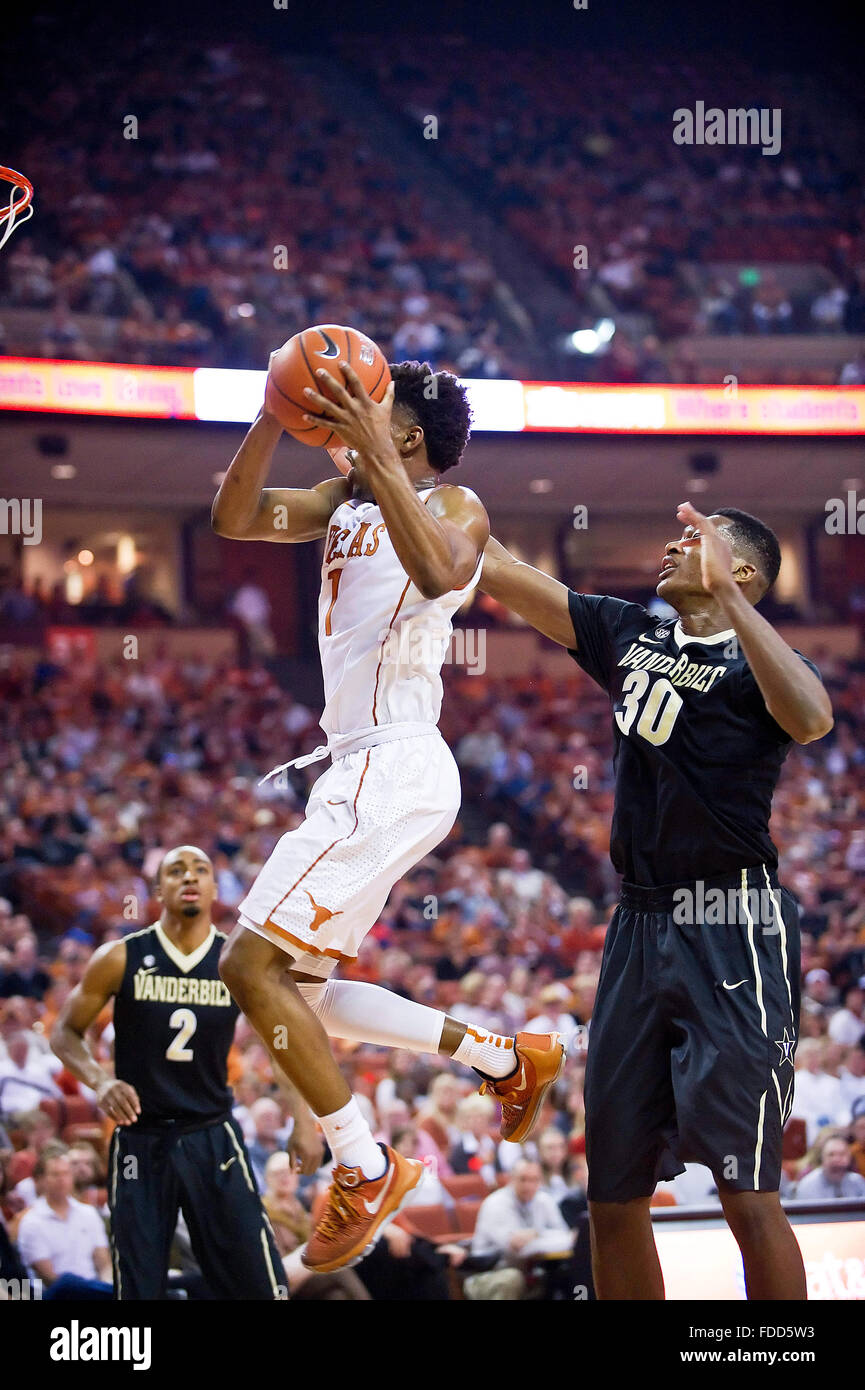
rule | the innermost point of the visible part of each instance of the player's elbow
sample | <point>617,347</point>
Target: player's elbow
<point>432,590</point>
<point>815,729</point>
<point>223,527</point>
<point>434,584</point>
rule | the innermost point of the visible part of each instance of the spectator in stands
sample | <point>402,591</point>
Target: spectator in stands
<point>63,338</point>
<point>519,1222</point>
<point>851,1076</point>
<point>816,1094</point>
<point>834,1178</point>
<point>24,976</point>
<point>24,1080</point>
<point>63,1241</point>
<point>819,996</point>
<point>406,1140</point>
<point>853,372</point>
<point>554,1163</point>
<point>847,1024</point>
<point>251,607</point>
<point>857,1142</point>
<point>552,1012</point>
<point>268,1135</point>
<point>476,1151</point>
<point>771,310</point>
<point>438,1118</point>
<point>88,1175</point>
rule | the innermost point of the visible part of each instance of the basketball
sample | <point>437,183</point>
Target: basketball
<point>294,365</point>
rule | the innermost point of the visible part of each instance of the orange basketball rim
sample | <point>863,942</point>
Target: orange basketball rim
<point>20,205</point>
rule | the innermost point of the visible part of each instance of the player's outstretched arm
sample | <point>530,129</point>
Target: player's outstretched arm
<point>102,979</point>
<point>534,595</point>
<point>245,510</point>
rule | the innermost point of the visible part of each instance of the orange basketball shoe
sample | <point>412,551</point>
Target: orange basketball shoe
<point>358,1209</point>
<point>540,1057</point>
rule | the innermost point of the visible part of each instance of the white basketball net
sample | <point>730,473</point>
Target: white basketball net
<point>15,214</point>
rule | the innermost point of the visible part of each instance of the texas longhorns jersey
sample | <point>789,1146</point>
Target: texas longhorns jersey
<point>382,643</point>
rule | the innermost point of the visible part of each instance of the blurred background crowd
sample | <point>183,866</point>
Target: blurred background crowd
<point>104,768</point>
<point>198,204</point>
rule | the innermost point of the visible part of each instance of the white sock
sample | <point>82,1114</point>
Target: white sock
<point>350,1140</point>
<point>486,1052</point>
<point>369,1013</point>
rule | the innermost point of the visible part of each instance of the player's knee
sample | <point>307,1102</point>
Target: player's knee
<point>751,1214</point>
<point>611,1219</point>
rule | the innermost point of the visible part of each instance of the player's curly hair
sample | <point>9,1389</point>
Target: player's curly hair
<point>439,403</point>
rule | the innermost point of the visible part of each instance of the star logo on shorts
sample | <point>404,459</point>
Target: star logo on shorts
<point>786,1046</point>
<point>322,914</point>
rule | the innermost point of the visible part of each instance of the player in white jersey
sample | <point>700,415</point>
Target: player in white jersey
<point>401,554</point>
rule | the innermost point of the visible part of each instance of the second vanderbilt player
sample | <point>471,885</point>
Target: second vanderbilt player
<point>176,1145</point>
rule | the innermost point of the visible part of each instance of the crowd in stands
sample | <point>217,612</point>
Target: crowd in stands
<point>243,205</point>
<point>104,768</point>
<point>202,210</point>
<point>577,152</point>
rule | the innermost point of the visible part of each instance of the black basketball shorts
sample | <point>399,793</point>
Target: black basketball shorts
<point>693,1034</point>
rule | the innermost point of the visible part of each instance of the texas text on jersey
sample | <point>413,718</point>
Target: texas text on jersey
<point>382,643</point>
<point>697,754</point>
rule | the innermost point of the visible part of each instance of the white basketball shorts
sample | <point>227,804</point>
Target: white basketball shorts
<point>369,819</point>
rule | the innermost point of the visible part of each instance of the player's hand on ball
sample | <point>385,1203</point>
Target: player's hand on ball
<point>716,553</point>
<point>361,423</point>
<point>305,1146</point>
<point>119,1101</point>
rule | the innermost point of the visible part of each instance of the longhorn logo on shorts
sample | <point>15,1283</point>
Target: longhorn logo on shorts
<point>322,914</point>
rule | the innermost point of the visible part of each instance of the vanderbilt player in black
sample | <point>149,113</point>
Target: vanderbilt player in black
<point>695,1024</point>
<point>176,1145</point>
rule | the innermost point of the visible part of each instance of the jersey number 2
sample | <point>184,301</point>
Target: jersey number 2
<point>186,1022</point>
<point>659,712</point>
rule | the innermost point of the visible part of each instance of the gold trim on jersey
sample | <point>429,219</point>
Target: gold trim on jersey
<point>185,963</point>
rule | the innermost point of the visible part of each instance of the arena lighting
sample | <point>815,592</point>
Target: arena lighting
<point>126,554</point>
<point>585,340</point>
<point>510,407</point>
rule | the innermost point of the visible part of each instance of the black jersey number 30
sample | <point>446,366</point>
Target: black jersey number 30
<point>185,1022</point>
<point>659,712</point>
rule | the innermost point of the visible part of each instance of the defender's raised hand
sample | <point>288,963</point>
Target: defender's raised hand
<point>716,554</point>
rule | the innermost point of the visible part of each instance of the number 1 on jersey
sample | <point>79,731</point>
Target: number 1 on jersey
<point>333,575</point>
